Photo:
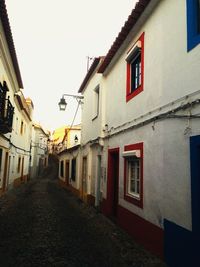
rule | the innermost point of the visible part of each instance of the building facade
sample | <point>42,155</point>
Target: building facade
<point>15,112</point>
<point>17,133</point>
<point>65,137</point>
<point>39,150</point>
<point>143,130</point>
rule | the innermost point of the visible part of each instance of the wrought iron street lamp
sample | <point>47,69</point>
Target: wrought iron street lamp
<point>63,104</point>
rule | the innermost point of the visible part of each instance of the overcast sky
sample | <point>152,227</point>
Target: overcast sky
<point>53,40</point>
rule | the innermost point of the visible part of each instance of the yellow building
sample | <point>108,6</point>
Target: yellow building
<point>65,137</point>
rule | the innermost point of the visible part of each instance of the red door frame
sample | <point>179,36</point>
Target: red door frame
<point>112,182</point>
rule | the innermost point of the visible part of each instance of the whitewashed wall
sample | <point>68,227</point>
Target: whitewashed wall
<point>170,73</point>
<point>7,74</point>
<point>91,127</point>
<point>72,134</point>
<point>39,147</point>
<point>68,156</point>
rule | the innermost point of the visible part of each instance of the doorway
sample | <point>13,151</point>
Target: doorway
<point>113,182</point>
<point>5,174</point>
<point>98,182</point>
<point>22,170</point>
<point>84,180</point>
<point>67,172</point>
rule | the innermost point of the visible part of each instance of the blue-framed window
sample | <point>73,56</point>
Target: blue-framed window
<point>193,23</point>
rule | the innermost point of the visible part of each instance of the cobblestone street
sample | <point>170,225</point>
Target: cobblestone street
<point>42,224</point>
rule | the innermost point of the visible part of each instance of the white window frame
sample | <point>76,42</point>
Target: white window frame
<point>136,178</point>
<point>133,156</point>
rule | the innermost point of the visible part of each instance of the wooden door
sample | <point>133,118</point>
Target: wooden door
<point>113,182</point>
<point>67,172</point>
<point>98,182</point>
<point>22,170</point>
<point>84,179</point>
<point>5,173</point>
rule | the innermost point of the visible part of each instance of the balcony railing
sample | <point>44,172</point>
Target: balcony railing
<point>6,115</point>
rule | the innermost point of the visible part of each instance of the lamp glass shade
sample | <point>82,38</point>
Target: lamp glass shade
<point>62,104</point>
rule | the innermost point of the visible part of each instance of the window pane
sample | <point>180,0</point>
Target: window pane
<point>133,176</point>
<point>132,187</point>
<point>138,187</point>
<point>136,72</point>
<point>140,74</point>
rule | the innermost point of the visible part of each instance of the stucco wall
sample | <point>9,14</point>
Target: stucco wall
<point>91,126</point>
<point>170,73</point>
<point>68,156</point>
<point>166,181</point>
<point>14,141</point>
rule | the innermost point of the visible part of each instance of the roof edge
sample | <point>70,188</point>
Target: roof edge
<point>125,30</point>
<point>89,73</point>
<point>10,42</point>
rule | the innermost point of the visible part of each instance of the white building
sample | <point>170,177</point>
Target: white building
<point>19,153</point>
<point>87,180</point>
<point>39,150</point>
<point>152,74</point>
<point>69,168</point>
<point>15,112</point>
<point>93,120</point>
<point>145,129</point>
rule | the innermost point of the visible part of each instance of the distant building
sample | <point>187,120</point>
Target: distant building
<point>39,150</point>
<point>65,137</point>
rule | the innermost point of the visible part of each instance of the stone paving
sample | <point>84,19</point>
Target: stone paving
<point>42,224</point>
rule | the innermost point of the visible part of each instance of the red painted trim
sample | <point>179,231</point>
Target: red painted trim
<point>129,95</point>
<point>110,182</point>
<point>143,232</point>
<point>135,201</point>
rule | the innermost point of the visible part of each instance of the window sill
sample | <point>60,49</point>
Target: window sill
<point>134,200</point>
<point>135,196</point>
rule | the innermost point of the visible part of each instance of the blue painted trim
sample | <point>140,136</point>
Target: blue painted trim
<point>195,182</point>
<point>193,37</point>
<point>181,247</point>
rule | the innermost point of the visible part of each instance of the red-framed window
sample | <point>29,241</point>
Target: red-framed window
<point>133,174</point>
<point>135,69</point>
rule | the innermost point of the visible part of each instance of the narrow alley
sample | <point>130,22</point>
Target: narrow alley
<point>99,133</point>
<point>42,224</point>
